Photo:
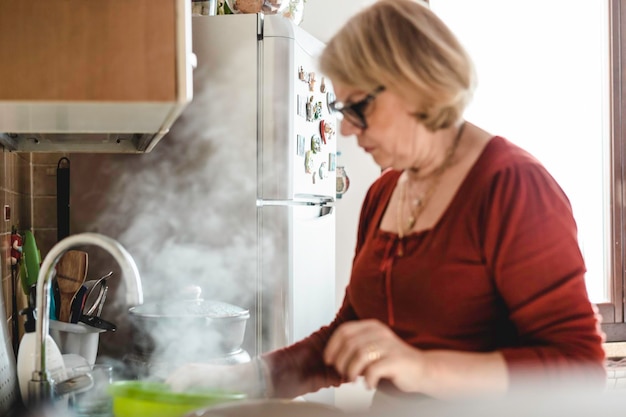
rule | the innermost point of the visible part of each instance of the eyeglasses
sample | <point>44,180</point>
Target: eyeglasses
<point>353,112</point>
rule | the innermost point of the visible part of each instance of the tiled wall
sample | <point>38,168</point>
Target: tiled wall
<point>15,192</point>
<point>28,189</point>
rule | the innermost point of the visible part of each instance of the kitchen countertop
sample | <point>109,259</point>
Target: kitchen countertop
<point>615,365</point>
<point>615,349</point>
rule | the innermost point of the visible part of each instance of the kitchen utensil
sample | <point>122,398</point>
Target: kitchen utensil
<point>71,271</point>
<point>29,271</point>
<point>98,323</point>
<point>31,259</point>
<point>56,299</point>
<point>154,399</point>
<point>63,198</point>
<point>215,327</point>
<point>78,338</point>
<point>100,305</point>
<point>78,302</point>
<point>96,295</point>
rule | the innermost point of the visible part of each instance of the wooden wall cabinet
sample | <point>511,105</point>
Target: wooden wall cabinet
<point>85,75</point>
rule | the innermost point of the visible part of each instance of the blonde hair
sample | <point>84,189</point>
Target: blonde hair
<point>403,46</point>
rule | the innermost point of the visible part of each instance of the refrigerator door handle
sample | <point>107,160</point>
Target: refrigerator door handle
<point>301,196</point>
<point>323,200</point>
<point>323,204</point>
<point>299,200</point>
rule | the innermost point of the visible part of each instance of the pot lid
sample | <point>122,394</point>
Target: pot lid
<point>190,308</point>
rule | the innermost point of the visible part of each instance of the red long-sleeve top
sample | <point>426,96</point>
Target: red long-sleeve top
<point>500,270</point>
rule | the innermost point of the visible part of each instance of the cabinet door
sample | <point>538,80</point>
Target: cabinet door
<point>112,50</point>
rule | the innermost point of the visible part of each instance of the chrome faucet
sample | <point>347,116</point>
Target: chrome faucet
<point>41,387</point>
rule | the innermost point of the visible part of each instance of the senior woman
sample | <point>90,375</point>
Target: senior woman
<point>467,276</point>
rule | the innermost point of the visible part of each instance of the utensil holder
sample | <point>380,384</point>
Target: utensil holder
<point>79,339</point>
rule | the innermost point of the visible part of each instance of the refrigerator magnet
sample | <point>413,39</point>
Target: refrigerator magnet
<point>343,182</point>
<point>316,144</point>
<point>327,130</point>
<point>308,162</point>
<point>301,74</point>
<point>300,145</point>
<point>317,110</point>
<point>302,106</point>
<point>323,130</point>
<point>312,82</point>
<point>323,85</point>
<point>332,161</point>
<point>309,109</point>
<point>330,98</point>
<point>322,171</point>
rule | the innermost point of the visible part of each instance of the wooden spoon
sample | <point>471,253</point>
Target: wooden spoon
<point>71,273</point>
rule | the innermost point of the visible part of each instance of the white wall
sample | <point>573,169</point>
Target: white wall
<point>322,18</point>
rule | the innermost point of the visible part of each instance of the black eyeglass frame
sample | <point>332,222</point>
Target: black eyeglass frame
<point>354,112</point>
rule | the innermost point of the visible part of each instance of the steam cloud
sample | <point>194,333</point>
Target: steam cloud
<point>186,211</point>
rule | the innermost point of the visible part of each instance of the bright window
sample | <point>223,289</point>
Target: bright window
<point>543,83</point>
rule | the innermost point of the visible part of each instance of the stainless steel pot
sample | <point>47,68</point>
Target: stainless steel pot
<point>192,327</point>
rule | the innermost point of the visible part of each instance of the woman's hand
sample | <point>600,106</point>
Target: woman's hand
<point>369,348</point>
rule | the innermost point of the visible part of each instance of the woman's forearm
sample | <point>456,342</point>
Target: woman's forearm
<point>453,374</point>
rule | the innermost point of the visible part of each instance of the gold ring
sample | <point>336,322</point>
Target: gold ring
<point>373,354</point>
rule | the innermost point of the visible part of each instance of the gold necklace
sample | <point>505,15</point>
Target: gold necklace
<point>419,204</point>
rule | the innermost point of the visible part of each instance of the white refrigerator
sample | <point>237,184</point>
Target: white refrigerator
<point>238,198</point>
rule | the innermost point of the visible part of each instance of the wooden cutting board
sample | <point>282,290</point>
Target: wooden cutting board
<point>71,273</point>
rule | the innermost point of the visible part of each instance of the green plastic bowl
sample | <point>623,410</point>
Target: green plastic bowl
<point>154,399</point>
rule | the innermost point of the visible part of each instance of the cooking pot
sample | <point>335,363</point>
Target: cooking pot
<point>197,329</point>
